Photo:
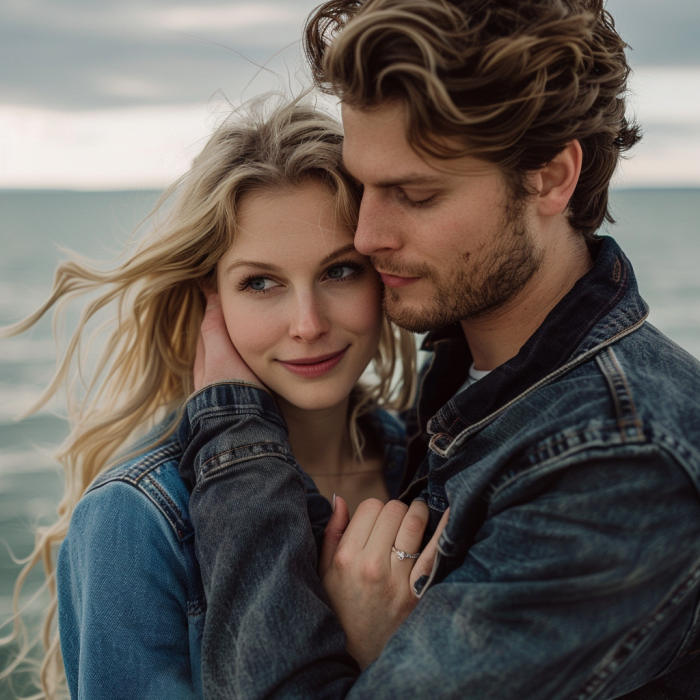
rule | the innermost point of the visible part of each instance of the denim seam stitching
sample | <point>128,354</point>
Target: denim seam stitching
<point>242,447</point>
<point>619,388</point>
<point>144,466</point>
<point>217,470</point>
<point>585,357</point>
<point>681,650</point>
<point>181,531</point>
<point>241,382</point>
<point>146,494</point>
<point>613,661</point>
<point>237,410</point>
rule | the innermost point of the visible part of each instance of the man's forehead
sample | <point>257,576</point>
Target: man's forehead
<point>376,150</point>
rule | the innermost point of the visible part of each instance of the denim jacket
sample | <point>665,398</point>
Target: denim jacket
<point>130,598</point>
<point>570,564</point>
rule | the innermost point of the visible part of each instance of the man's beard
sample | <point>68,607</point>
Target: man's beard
<point>476,285</point>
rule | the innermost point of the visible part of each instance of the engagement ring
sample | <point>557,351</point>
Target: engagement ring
<point>403,555</point>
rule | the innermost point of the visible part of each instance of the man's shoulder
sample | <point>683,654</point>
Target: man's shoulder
<point>634,399</point>
<point>664,378</point>
<point>644,386</point>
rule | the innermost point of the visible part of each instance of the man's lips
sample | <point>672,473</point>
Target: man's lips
<point>314,366</point>
<point>396,281</point>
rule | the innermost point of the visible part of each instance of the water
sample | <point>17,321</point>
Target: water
<point>659,230</point>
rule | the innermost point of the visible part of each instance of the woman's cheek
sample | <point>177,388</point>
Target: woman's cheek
<point>364,312</point>
<point>252,338</point>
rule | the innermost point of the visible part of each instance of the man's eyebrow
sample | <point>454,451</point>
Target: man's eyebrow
<point>411,179</point>
<point>275,268</point>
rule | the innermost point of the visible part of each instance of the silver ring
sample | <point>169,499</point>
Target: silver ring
<point>403,555</point>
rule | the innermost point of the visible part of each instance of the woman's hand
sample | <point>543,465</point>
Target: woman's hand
<point>370,588</point>
<point>217,360</point>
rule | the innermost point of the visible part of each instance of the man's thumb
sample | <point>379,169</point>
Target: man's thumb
<point>424,565</point>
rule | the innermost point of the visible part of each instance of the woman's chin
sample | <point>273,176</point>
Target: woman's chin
<point>312,398</point>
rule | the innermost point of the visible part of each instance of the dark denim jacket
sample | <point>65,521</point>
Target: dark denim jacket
<point>570,565</point>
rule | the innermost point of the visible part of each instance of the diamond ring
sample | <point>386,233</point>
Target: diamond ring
<point>404,555</point>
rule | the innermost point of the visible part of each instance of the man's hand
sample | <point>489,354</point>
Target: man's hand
<point>370,589</point>
<point>217,360</point>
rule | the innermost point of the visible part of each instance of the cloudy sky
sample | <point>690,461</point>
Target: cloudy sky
<point>120,94</point>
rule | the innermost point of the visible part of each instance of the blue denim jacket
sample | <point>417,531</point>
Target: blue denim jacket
<point>570,565</point>
<point>130,598</point>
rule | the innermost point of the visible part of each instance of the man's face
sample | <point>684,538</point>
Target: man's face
<point>440,233</point>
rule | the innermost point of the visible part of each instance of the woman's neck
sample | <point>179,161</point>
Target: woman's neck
<point>320,440</point>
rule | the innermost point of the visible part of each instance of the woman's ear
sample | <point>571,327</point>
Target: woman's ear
<point>208,284</point>
<point>557,180</point>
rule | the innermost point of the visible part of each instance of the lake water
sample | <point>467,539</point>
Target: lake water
<point>658,229</point>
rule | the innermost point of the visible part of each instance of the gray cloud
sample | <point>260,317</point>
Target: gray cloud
<point>77,54</point>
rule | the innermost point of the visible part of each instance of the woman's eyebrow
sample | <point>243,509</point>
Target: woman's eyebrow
<point>337,253</point>
<point>251,263</point>
<point>275,268</point>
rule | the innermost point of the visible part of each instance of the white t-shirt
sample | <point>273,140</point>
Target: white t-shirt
<point>474,376</point>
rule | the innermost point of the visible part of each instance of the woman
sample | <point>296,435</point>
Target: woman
<point>263,224</point>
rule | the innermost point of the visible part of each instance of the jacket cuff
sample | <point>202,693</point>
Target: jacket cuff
<point>230,421</point>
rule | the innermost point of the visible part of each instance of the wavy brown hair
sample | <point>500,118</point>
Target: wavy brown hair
<point>145,370</point>
<point>509,81</point>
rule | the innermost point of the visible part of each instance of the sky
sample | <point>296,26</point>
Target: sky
<point>98,95</point>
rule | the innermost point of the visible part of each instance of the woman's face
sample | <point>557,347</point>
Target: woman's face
<point>302,306</point>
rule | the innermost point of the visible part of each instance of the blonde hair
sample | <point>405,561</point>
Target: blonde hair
<point>144,371</point>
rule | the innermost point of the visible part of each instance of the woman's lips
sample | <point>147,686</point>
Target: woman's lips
<point>394,281</point>
<point>314,366</point>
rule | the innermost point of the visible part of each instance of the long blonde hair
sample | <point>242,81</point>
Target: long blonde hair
<point>144,370</point>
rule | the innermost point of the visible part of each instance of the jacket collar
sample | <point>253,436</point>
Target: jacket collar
<point>602,306</point>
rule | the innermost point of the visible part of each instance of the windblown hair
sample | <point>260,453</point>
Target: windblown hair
<point>145,370</point>
<point>509,81</point>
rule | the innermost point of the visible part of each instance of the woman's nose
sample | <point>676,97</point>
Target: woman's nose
<point>309,322</point>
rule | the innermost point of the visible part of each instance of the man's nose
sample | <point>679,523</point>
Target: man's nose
<point>376,226</point>
<point>309,322</point>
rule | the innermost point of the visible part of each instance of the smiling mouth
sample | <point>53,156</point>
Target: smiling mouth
<point>314,366</point>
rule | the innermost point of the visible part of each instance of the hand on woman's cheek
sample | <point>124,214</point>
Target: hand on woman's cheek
<point>217,360</point>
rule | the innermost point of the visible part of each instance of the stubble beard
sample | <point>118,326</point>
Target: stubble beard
<point>476,285</point>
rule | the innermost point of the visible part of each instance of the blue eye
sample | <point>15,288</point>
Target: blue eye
<point>259,284</point>
<point>340,271</point>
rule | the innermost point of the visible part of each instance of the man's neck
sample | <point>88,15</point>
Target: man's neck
<point>496,338</point>
<point>320,440</point>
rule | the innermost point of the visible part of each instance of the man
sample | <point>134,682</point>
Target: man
<point>561,430</point>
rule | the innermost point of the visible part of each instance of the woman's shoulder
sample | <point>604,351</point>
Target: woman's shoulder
<point>149,482</point>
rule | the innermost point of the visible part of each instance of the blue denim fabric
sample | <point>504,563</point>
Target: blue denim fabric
<point>570,565</point>
<point>131,601</point>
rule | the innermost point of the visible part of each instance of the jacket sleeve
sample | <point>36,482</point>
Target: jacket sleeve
<point>269,629</point>
<point>569,590</point>
<point>122,594</point>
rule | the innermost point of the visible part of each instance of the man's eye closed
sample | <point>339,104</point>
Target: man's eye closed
<point>416,199</point>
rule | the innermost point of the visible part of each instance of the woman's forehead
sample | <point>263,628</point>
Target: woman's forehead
<point>288,227</point>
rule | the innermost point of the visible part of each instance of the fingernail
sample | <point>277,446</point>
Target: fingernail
<point>212,301</point>
<point>419,585</point>
<point>333,503</point>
